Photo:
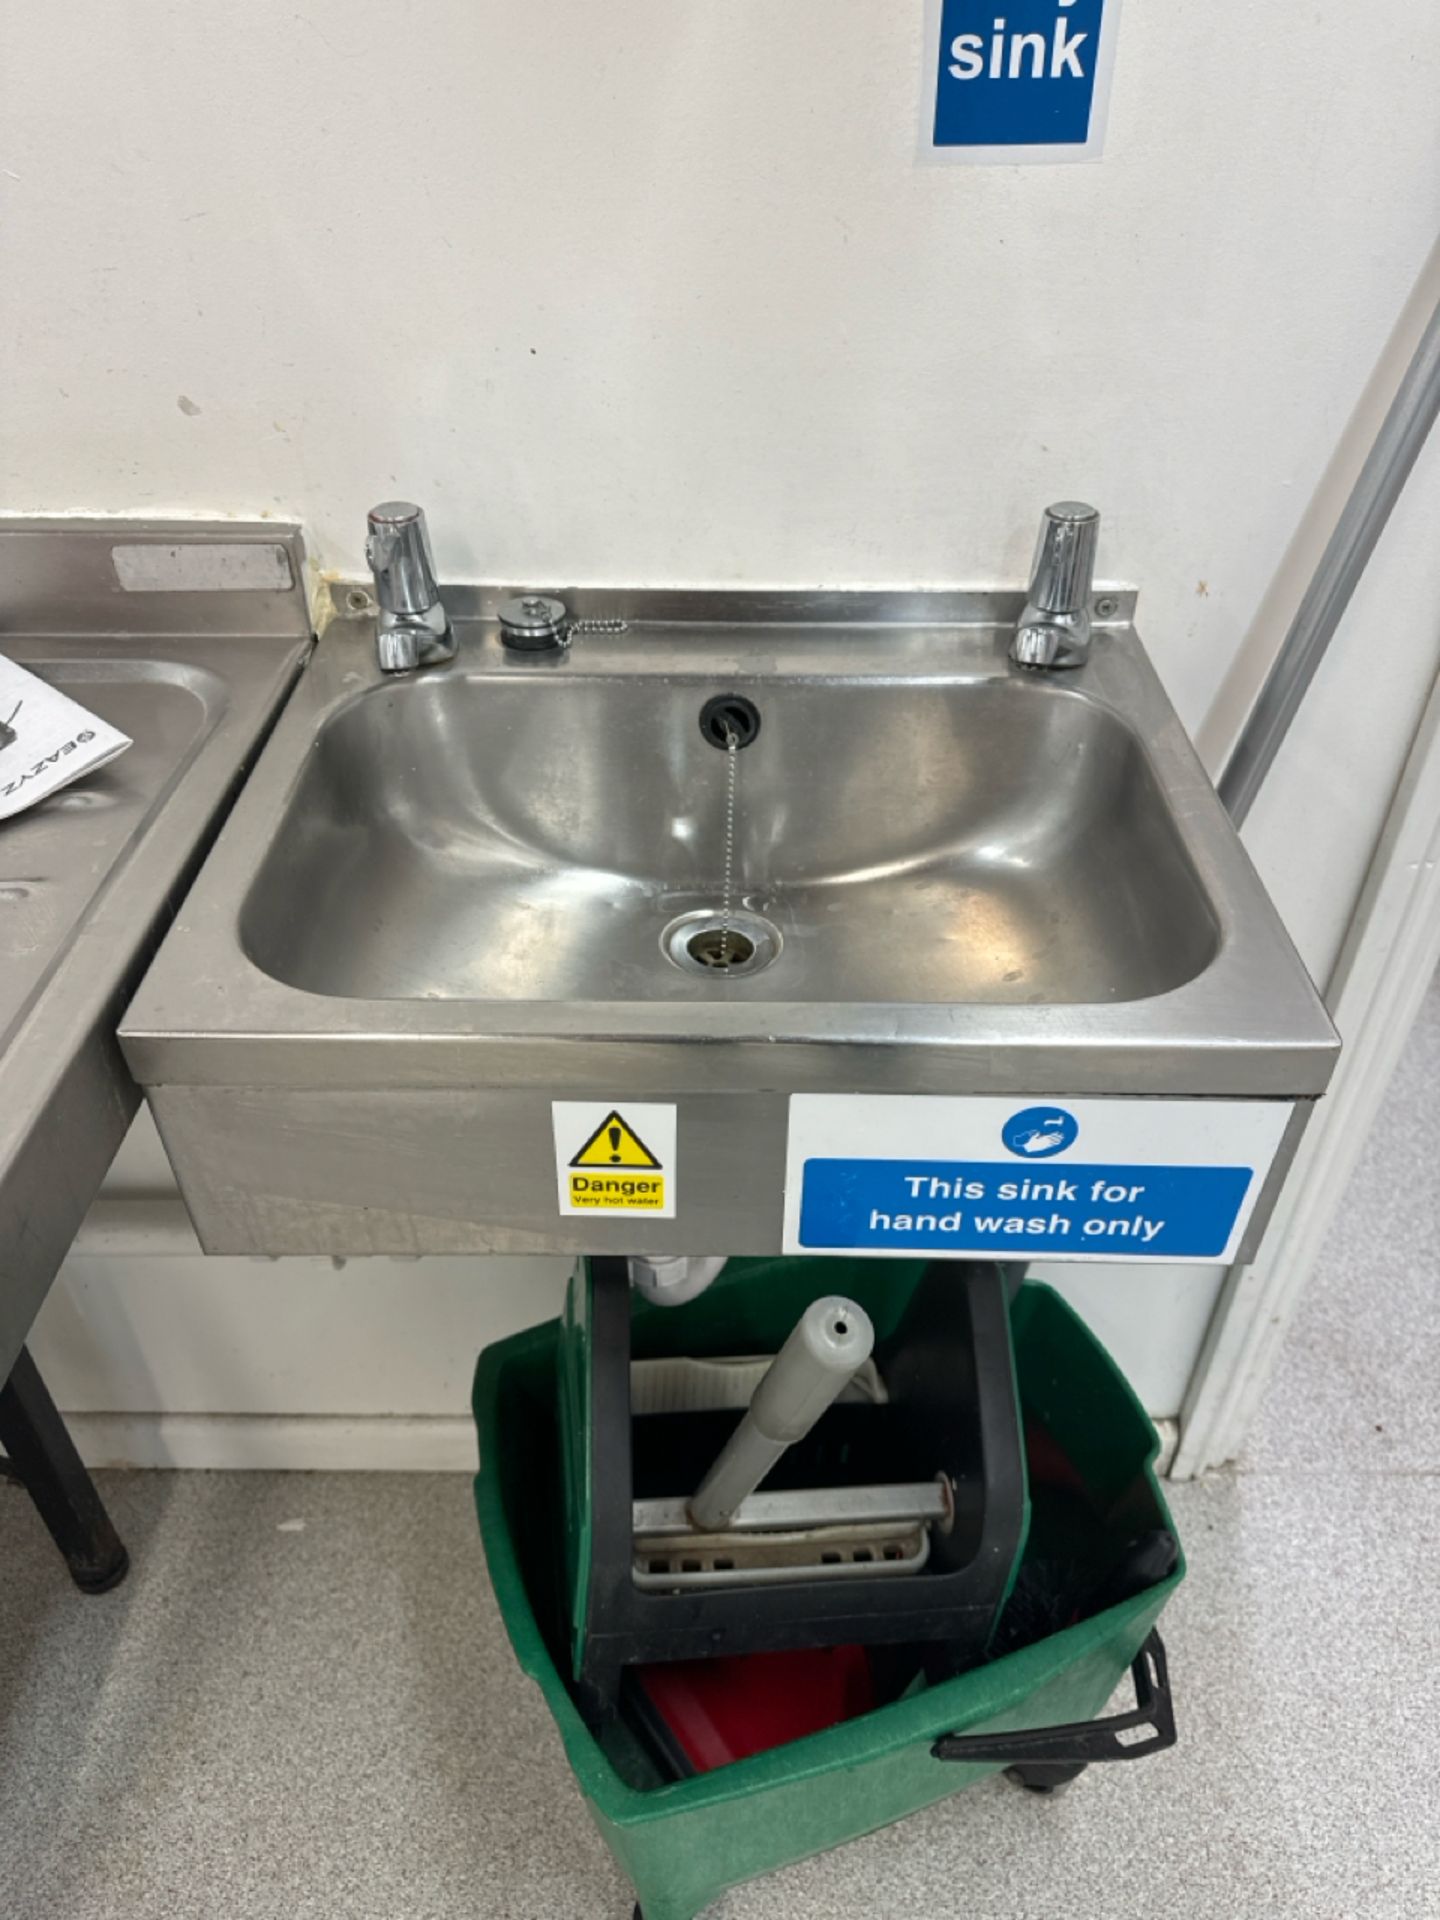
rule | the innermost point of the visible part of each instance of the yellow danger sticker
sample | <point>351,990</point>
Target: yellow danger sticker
<point>615,1159</point>
<point>615,1143</point>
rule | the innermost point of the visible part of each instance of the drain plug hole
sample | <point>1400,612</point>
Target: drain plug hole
<point>729,715</point>
<point>703,942</point>
<point>713,948</point>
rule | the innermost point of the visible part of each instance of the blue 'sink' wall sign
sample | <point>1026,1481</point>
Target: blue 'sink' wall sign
<point>1020,79</point>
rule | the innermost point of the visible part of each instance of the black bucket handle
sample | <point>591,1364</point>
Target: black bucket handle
<point>1086,1741</point>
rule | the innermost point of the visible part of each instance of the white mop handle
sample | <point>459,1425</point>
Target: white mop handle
<point>829,1344</point>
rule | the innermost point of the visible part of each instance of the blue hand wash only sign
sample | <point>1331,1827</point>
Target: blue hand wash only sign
<point>1089,1179</point>
<point>1019,80</point>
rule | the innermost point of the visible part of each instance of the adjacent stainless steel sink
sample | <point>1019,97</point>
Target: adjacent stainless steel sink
<point>88,879</point>
<point>446,900</point>
<point>55,858</point>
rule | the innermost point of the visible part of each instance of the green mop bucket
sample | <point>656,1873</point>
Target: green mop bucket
<point>682,1843</point>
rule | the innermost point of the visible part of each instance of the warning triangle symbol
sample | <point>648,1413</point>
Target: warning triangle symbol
<point>615,1143</point>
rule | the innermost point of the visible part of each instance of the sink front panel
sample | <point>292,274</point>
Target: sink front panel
<point>980,840</point>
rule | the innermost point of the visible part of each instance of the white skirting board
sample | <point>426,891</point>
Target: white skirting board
<point>269,1442</point>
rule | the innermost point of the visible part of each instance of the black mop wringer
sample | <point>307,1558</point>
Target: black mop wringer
<point>727,1534</point>
<point>888,1515</point>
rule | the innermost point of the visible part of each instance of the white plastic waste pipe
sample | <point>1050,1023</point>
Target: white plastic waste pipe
<point>669,1280</point>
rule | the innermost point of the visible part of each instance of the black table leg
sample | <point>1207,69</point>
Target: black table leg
<point>43,1459</point>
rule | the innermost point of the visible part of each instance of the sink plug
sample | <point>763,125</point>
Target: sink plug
<point>539,623</point>
<point>1054,629</point>
<point>533,622</point>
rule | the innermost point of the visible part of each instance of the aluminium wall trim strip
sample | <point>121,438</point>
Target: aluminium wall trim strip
<point>1389,958</point>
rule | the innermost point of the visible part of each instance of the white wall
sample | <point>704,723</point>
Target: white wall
<point>656,291</point>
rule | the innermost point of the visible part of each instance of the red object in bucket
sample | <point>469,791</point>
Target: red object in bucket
<point>722,1710</point>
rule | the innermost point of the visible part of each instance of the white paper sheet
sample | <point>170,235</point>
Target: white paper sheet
<point>46,740</point>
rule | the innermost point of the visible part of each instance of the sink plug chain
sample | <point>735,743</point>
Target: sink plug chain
<point>577,628</point>
<point>732,761</point>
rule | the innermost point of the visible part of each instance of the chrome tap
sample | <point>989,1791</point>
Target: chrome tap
<point>1054,629</point>
<point>413,629</point>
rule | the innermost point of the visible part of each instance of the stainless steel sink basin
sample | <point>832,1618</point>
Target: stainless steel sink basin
<point>447,900</point>
<point>957,840</point>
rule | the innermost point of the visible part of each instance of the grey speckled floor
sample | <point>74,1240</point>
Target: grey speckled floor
<point>301,1704</point>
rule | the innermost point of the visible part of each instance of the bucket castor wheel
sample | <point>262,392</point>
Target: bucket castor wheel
<point>1040,1778</point>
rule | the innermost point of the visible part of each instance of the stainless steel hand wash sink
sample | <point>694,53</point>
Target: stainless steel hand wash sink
<point>450,900</point>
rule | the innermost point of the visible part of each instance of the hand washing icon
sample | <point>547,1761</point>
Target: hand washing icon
<point>1041,1142</point>
<point>1038,1132</point>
